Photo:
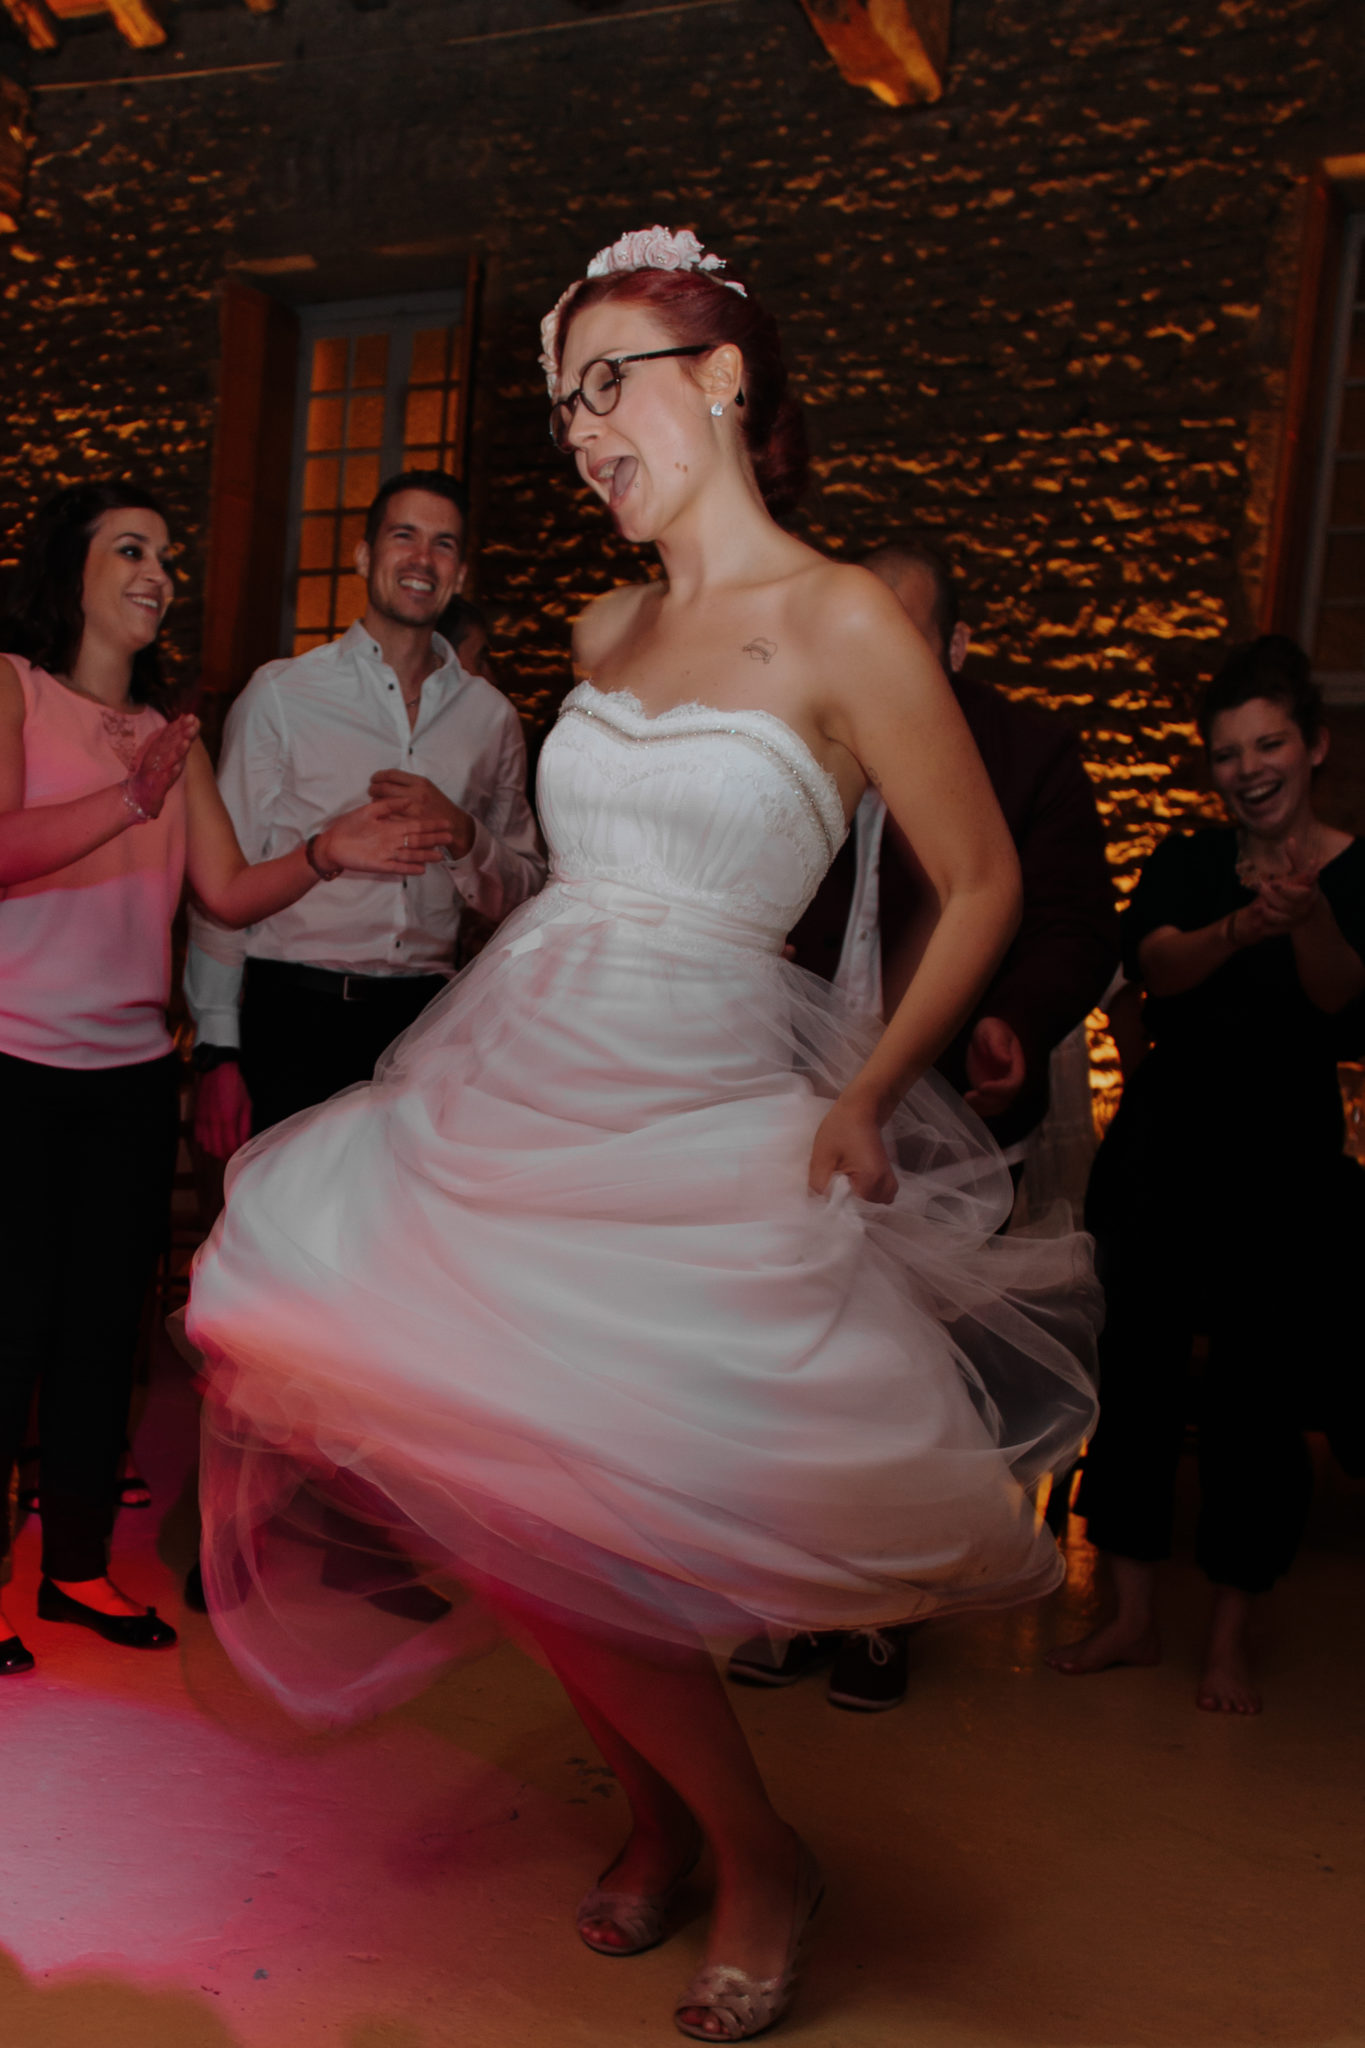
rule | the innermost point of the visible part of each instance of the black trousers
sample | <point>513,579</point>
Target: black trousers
<point>84,1209</point>
<point>301,1045</point>
<point>1258,1272</point>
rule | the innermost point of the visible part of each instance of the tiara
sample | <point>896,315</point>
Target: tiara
<point>643,249</point>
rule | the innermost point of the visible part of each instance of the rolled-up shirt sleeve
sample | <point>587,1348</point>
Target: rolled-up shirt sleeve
<point>506,862</point>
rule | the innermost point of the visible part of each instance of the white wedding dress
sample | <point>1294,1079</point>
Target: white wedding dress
<point>549,1306</point>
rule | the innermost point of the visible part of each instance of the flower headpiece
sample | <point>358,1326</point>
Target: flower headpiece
<point>643,249</point>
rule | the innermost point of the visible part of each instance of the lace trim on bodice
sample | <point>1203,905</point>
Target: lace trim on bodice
<point>621,713</point>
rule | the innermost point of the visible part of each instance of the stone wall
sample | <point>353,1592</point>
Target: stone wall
<point>1047,318</point>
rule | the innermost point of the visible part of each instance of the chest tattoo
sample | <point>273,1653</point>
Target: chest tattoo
<point>760,650</point>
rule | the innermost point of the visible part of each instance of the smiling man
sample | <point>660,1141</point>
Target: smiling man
<point>293,1009</point>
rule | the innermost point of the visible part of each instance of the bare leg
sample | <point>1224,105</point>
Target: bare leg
<point>1227,1685</point>
<point>1129,1636</point>
<point>664,1836</point>
<point>677,1716</point>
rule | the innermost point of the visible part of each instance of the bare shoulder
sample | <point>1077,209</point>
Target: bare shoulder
<point>607,621</point>
<point>855,635</point>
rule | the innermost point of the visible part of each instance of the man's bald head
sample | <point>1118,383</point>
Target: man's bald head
<point>920,577</point>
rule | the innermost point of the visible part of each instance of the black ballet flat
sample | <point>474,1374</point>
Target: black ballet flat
<point>14,1658</point>
<point>146,1631</point>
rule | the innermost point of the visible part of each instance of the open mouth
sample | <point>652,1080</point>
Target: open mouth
<point>618,474</point>
<point>1259,798</point>
<point>421,586</point>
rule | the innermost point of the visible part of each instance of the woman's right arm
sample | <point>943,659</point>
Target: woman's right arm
<point>38,842</point>
<point>1172,961</point>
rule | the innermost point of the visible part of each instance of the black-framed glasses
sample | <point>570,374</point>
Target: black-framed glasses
<point>601,388</point>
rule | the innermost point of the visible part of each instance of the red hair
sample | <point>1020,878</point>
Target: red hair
<point>694,307</point>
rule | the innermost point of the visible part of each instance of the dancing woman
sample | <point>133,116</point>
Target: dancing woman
<point>106,802</point>
<point>637,1287</point>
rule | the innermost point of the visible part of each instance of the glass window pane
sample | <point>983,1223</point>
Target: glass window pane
<point>365,427</point>
<point>324,422</point>
<point>422,421</point>
<point>430,352</point>
<point>320,477</point>
<point>352,530</point>
<point>329,364</point>
<point>362,479</point>
<point>351,601</point>
<point>371,366</point>
<point>303,641</point>
<point>1341,637</point>
<point>1348,495</point>
<point>1352,440</point>
<point>422,458</point>
<point>314,604</point>
<point>452,413</point>
<point>317,541</point>
<point>1344,570</point>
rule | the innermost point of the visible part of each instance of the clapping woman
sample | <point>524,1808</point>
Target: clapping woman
<point>107,802</point>
<point>1221,1200</point>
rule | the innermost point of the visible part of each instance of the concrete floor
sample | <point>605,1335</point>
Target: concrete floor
<point>1015,1860</point>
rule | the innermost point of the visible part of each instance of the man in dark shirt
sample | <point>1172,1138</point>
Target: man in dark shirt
<point>868,926</point>
<point>1066,949</point>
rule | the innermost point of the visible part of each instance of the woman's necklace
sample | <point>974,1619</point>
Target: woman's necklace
<point>1309,852</point>
<point>119,722</point>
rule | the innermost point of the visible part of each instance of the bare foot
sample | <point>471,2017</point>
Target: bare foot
<point>654,1859</point>
<point>1119,1641</point>
<point>754,1922</point>
<point>1227,1686</point>
<point>101,1594</point>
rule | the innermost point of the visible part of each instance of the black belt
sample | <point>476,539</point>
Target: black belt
<point>347,988</point>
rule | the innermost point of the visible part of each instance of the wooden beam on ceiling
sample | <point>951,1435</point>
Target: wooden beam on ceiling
<point>136,20</point>
<point>34,22</point>
<point>897,49</point>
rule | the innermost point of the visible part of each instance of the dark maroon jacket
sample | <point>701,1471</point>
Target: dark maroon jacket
<point>1066,949</point>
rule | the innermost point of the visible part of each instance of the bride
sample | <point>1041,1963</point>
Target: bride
<point>648,1289</point>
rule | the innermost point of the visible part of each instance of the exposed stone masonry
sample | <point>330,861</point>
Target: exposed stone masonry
<point>1047,318</point>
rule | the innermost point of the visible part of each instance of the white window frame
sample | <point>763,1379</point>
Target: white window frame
<point>400,318</point>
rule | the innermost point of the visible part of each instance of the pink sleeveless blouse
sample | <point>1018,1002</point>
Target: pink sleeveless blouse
<point>85,953</point>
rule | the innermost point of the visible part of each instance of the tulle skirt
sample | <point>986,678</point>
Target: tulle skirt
<point>547,1310</point>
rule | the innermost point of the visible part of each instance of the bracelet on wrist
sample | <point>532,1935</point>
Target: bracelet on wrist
<point>140,816</point>
<point>311,856</point>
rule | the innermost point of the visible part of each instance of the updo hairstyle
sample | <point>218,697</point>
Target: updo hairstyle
<point>1273,667</point>
<point>694,308</point>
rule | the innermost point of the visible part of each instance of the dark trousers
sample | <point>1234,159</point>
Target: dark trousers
<point>301,1045</point>
<point>1168,1276</point>
<point>84,1209</point>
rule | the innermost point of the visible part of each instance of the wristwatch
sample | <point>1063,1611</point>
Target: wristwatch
<point>205,1058</point>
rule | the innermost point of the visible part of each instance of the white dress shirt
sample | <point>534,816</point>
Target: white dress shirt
<point>299,748</point>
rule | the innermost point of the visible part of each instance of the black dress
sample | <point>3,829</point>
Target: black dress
<point>1222,1204</point>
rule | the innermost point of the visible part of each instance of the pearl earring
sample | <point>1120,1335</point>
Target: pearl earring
<point>717,410</point>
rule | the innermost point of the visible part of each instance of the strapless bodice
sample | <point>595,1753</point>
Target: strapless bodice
<point>725,816</point>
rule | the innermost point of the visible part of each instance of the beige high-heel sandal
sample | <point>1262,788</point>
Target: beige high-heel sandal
<point>643,1917</point>
<point>745,2005</point>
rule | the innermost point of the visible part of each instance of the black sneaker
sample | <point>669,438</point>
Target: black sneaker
<point>871,1671</point>
<point>758,1663</point>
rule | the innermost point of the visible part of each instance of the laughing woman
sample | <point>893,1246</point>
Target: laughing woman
<point>106,803</point>
<point>1221,1201</point>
